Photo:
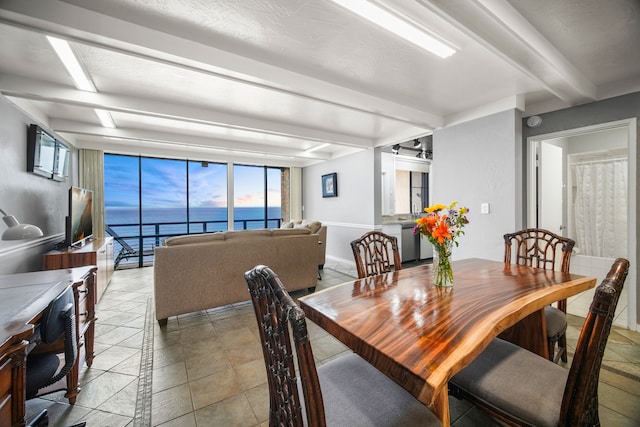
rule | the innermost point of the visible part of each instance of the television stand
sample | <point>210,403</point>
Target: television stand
<point>78,245</point>
<point>98,252</point>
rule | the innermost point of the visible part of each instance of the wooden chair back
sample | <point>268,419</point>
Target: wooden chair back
<point>580,400</point>
<point>540,248</point>
<point>371,253</point>
<point>276,312</point>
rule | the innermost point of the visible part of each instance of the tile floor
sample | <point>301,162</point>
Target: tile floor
<point>206,368</point>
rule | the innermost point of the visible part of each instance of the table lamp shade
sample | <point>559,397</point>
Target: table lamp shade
<point>17,231</point>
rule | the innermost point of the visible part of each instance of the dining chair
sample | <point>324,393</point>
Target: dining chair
<point>371,253</point>
<point>536,247</point>
<point>521,388</point>
<point>346,391</point>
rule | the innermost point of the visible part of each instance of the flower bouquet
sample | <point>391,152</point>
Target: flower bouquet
<point>442,226</point>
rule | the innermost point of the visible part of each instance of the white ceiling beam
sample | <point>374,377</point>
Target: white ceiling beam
<point>19,87</point>
<point>516,102</point>
<point>159,149</point>
<point>502,29</point>
<point>135,136</point>
<point>193,51</point>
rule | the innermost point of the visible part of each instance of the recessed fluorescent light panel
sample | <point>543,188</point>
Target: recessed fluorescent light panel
<point>71,63</point>
<point>390,22</point>
<point>105,118</point>
<point>317,147</point>
<point>78,75</point>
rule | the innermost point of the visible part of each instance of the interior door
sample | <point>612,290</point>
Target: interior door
<point>551,188</point>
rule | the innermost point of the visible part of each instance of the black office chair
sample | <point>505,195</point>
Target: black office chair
<point>57,320</point>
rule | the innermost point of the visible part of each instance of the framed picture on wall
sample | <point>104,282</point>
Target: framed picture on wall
<point>330,185</point>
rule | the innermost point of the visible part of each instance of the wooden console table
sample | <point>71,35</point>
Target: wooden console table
<point>98,252</point>
<point>23,298</point>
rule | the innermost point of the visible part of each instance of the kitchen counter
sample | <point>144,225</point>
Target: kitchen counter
<point>402,219</point>
<point>411,246</point>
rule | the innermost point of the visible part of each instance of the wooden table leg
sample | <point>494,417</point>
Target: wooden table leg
<point>530,333</point>
<point>441,407</point>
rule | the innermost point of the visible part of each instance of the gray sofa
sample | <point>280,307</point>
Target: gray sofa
<point>203,271</point>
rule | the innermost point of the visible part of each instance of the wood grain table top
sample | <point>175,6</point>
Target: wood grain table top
<point>420,335</point>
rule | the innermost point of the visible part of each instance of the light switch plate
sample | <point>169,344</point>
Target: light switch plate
<point>484,208</point>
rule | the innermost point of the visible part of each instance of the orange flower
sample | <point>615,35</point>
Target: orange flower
<point>430,221</point>
<point>441,231</point>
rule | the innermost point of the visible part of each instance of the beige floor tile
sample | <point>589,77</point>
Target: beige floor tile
<point>171,404</point>
<point>259,400</point>
<point>327,347</point>
<point>207,364</point>
<point>197,333</point>
<point>187,420</point>
<point>129,366</point>
<point>169,376</point>
<point>195,348</point>
<point>117,335</point>
<point>134,341</point>
<point>232,412</point>
<point>112,357</point>
<point>619,401</point>
<point>106,419</point>
<point>166,338</point>
<point>237,338</point>
<point>123,402</point>
<point>167,356</point>
<point>96,392</point>
<point>251,374</point>
<point>245,353</point>
<point>214,388</point>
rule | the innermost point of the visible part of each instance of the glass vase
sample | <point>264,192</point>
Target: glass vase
<point>442,272</point>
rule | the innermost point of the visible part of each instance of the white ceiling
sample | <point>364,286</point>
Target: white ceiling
<point>261,81</point>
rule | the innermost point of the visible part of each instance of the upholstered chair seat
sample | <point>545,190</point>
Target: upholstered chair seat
<point>535,399</point>
<point>357,394</point>
<point>346,391</point>
<point>519,387</point>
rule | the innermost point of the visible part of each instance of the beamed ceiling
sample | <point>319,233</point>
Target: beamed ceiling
<point>267,81</point>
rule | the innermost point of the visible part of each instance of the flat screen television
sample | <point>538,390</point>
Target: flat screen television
<point>80,219</point>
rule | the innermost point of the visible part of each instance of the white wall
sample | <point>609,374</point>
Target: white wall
<point>593,142</point>
<point>476,162</point>
<point>352,213</point>
<point>32,199</point>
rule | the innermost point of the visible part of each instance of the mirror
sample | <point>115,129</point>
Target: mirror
<point>405,171</point>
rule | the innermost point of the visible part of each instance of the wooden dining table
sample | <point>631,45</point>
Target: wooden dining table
<point>420,335</point>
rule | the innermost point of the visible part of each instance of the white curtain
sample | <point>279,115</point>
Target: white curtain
<point>92,177</point>
<point>295,193</point>
<point>601,208</point>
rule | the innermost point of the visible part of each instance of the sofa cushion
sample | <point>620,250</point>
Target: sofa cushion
<point>289,231</point>
<point>314,226</point>
<point>288,224</point>
<point>193,238</point>
<point>246,234</point>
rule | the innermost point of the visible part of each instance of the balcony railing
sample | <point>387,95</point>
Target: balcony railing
<point>129,239</point>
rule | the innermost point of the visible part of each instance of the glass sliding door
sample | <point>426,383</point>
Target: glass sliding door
<point>122,206</point>
<point>149,199</point>
<point>274,197</point>
<point>257,197</point>
<point>163,195</point>
<point>249,199</point>
<point>207,197</point>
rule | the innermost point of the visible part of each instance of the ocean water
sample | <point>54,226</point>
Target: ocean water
<point>159,223</point>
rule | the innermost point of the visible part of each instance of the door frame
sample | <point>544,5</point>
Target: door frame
<point>532,194</point>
